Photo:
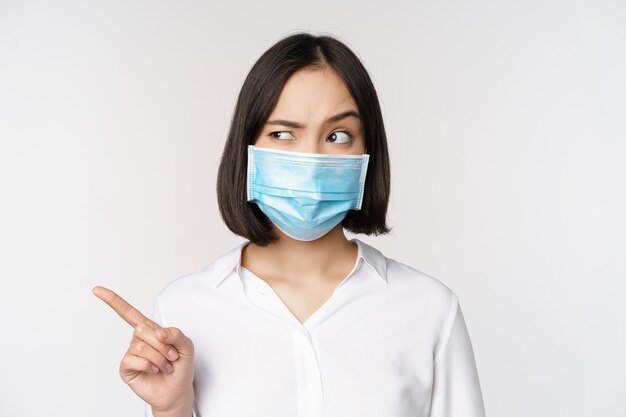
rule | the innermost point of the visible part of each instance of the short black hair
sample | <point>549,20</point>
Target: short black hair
<point>256,100</point>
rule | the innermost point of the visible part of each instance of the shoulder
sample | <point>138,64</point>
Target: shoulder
<point>199,282</point>
<point>407,282</point>
<point>408,275</point>
<point>421,287</point>
<point>420,300</point>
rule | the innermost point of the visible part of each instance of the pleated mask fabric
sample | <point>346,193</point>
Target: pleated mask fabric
<point>305,194</point>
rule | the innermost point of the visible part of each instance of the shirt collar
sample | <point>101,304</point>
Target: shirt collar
<point>224,265</point>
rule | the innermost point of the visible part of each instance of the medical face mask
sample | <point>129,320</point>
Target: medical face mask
<point>305,194</point>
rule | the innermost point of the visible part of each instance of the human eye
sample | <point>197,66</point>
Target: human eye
<point>273,135</point>
<point>347,138</point>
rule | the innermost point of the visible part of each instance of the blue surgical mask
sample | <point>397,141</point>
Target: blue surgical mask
<point>305,194</point>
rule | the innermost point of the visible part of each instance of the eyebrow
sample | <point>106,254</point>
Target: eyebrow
<point>331,119</point>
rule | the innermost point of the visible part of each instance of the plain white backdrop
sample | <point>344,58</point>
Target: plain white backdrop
<point>506,128</point>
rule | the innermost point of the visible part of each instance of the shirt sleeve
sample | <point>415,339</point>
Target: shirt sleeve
<point>456,387</point>
<point>158,318</point>
<point>148,411</point>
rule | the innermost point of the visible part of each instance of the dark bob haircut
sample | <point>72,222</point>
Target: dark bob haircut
<point>257,98</point>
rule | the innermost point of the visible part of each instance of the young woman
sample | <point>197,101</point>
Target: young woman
<point>299,321</point>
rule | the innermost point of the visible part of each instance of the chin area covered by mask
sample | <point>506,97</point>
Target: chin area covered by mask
<point>305,194</point>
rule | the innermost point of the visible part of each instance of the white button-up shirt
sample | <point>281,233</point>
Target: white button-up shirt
<point>390,341</point>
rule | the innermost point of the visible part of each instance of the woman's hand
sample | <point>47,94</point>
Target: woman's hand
<point>146,365</point>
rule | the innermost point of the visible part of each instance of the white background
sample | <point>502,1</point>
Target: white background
<point>506,128</point>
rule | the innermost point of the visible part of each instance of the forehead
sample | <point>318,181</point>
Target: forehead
<point>313,92</point>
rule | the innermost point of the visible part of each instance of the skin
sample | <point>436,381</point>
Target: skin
<point>144,366</point>
<point>302,273</point>
<point>305,273</point>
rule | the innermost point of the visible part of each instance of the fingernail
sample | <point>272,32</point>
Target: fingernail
<point>172,355</point>
<point>169,368</point>
<point>154,369</point>
<point>164,333</point>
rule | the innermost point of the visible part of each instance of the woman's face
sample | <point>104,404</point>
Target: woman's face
<point>303,118</point>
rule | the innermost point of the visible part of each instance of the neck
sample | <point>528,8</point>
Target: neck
<point>329,256</point>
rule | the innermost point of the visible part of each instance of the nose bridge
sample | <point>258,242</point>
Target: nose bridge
<point>311,140</point>
<point>312,145</point>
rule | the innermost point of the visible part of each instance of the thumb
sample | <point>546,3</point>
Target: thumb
<point>176,338</point>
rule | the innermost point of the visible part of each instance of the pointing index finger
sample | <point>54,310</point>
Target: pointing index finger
<point>122,307</point>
